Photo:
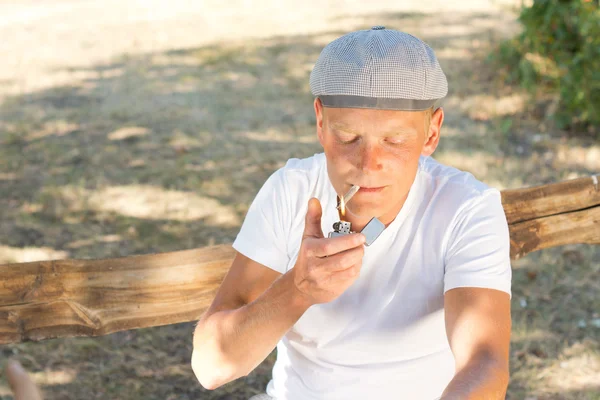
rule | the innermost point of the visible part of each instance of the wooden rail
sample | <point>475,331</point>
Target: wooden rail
<point>50,299</point>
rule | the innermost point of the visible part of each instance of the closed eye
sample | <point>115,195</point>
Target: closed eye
<point>394,141</point>
<point>347,139</point>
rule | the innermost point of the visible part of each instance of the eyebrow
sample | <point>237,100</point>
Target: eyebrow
<point>344,128</point>
<point>394,132</point>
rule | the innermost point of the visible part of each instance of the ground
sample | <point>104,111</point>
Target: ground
<point>134,128</point>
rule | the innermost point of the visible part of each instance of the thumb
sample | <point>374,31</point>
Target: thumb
<point>312,223</point>
<point>20,382</point>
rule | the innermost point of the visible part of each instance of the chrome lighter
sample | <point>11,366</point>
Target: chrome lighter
<point>371,231</point>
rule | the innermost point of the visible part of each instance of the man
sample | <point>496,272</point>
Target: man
<point>421,313</point>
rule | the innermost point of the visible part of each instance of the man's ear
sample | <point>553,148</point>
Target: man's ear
<point>432,138</point>
<point>319,114</point>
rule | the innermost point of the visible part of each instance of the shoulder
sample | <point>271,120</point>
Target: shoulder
<point>452,186</point>
<point>301,176</point>
<point>455,198</point>
<point>303,167</point>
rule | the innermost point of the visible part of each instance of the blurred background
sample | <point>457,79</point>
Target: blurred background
<point>135,127</point>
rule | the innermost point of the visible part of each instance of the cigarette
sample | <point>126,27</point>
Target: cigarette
<point>349,194</point>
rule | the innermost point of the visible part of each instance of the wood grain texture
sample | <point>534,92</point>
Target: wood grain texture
<point>557,198</point>
<point>49,299</point>
<point>557,230</point>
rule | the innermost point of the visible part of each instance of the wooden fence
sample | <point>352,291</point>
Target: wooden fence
<point>63,298</point>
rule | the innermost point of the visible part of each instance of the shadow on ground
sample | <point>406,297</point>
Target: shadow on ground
<point>162,152</point>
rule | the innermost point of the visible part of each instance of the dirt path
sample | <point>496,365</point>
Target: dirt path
<point>129,129</point>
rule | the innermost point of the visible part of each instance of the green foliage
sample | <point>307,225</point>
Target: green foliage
<point>558,52</point>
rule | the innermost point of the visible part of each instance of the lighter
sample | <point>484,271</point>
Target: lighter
<point>371,231</point>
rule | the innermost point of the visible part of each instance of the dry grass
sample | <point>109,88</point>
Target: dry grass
<point>165,150</point>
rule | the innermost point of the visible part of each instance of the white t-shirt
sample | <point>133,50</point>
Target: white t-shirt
<point>384,337</point>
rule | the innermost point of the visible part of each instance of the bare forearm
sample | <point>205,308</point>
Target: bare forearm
<point>230,344</point>
<point>483,379</point>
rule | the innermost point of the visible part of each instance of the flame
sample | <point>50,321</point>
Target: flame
<point>342,207</point>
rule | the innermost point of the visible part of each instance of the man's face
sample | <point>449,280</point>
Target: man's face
<point>377,150</point>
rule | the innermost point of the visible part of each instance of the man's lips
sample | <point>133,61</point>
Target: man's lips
<point>371,189</point>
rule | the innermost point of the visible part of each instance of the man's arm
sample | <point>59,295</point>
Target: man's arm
<point>478,327</point>
<point>255,306</point>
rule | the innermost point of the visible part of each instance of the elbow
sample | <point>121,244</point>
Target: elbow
<point>484,377</point>
<point>205,375</point>
<point>499,368</point>
<point>504,378</point>
<point>211,374</point>
<point>208,382</point>
<point>499,371</point>
<point>211,368</point>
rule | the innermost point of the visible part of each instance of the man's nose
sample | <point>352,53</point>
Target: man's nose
<point>370,158</point>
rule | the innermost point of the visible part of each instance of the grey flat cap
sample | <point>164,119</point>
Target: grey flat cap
<point>378,68</point>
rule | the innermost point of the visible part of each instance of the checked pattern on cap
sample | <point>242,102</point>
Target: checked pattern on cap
<point>381,64</point>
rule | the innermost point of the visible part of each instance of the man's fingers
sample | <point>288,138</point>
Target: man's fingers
<point>20,382</point>
<point>343,260</point>
<point>312,222</point>
<point>345,274</point>
<point>331,246</point>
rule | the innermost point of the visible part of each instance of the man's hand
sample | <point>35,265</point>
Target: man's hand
<point>326,267</point>
<point>20,382</point>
